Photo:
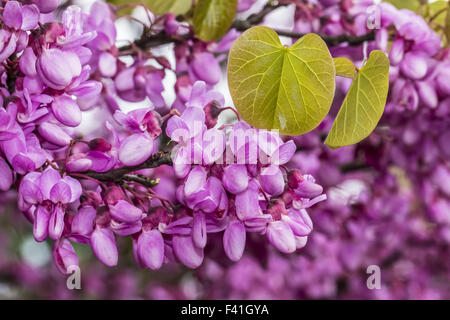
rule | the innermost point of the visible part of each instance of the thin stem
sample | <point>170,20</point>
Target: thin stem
<point>148,41</point>
<point>118,175</point>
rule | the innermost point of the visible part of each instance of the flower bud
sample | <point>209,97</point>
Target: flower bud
<point>199,235</point>
<point>235,178</point>
<point>54,134</point>
<point>234,240</point>
<point>123,211</point>
<point>185,250</point>
<point>100,144</point>
<point>281,236</point>
<point>272,180</point>
<point>64,255</point>
<point>135,149</point>
<point>104,246</point>
<point>212,112</point>
<point>414,66</point>
<point>295,178</point>
<point>66,111</point>
<point>308,189</point>
<point>150,249</point>
<point>40,225</point>
<point>46,6</point>
<point>56,223</point>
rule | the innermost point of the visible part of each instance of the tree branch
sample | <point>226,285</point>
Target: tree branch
<point>122,174</point>
<point>161,38</point>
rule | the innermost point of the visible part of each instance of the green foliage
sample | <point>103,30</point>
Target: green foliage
<point>435,8</point>
<point>364,104</point>
<point>156,6</point>
<point>166,6</point>
<point>213,18</point>
<point>344,67</point>
<point>405,4</point>
<point>447,24</point>
<point>275,87</point>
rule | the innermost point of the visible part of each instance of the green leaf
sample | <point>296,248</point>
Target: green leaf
<point>405,4</point>
<point>275,87</point>
<point>124,11</point>
<point>435,8</point>
<point>165,6</point>
<point>447,24</point>
<point>213,18</point>
<point>156,6</point>
<point>364,104</point>
<point>344,67</point>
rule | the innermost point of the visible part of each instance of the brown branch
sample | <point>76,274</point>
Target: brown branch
<point>143,180</point>
<point>332,41</point>
<point>120,174</point>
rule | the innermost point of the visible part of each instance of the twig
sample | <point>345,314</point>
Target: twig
<point>121,174</point>
<point>146,182</point>
<point>148,41</point>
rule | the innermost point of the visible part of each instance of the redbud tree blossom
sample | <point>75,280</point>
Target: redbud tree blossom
<point>277,148</point>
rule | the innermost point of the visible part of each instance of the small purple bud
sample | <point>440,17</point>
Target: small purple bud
<point>272,180</point>
<point>46,6</point>
<point>427,94</point>
<point>6,175</point>
<point>298,226</point>
<point>199,235</point>
<point>206,68</point>
<point>281,236</point>
<point>135,149</point>
<point>104,246</point>
<point>442,81</point>
<point>66,111</point>
<point>114,194</point>
<point>234,240</point>
<point>56,223</point>
<point>308,189</point>
<point>295,178</point>
<point>83,222</point>
<point>185,250</point>
<point>9,44</point>
<point>124,229</point>
<point>123,211</point>
<point>100,144</point>
<point>397,52</point>
<point>27,62</point>
<point>414,66</point>
<point>300,242</point>
<point>235,178</point>
<point>107,64</point>
<point>78,164</point>
<point>64,255</point>
<point>54,134</point>
<point>40,225</point>
<point>150,248</point>
<point>171,25</point>
<point>247,202</point>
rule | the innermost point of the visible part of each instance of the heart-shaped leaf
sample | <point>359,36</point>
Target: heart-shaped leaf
<point>364,104</point>
<point>344,67</point>
<point>275,87</point>
<point>213,18</point>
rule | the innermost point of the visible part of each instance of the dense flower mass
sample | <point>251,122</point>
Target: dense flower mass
<point>61,69</point>
<point>173,176</point>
